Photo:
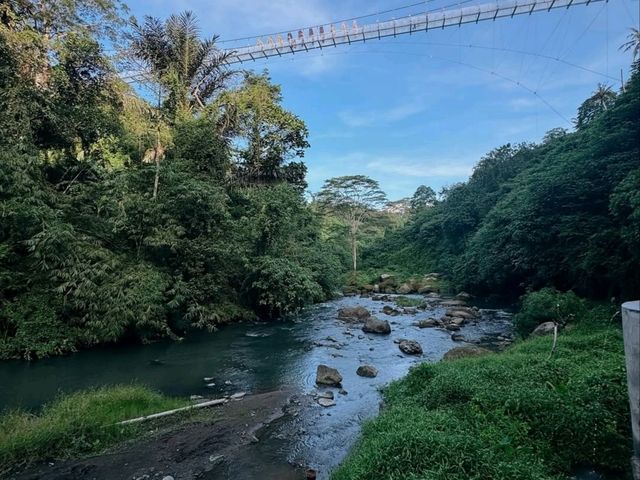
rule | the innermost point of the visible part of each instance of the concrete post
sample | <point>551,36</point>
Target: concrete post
<point>631,328</point>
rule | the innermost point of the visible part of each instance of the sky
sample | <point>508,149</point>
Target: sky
<point>423,109</point>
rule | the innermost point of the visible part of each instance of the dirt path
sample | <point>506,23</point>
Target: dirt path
<point>217,443</point>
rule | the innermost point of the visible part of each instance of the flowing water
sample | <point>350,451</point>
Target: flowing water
<point>261,357</point>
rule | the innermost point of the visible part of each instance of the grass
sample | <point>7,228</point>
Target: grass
<point>408,301</point>
<point>515,415</point>
<point>76,424</point>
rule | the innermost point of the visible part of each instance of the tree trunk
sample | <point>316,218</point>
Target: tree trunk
<point>156,156</point>
<point>354,250</point>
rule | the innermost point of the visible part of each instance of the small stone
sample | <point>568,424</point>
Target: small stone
<point>227,382</point>
<point>215,459</point>
<point>208,379</point>
<point>211,385</point>
<point>238,396</point>
<point>168,477</point>
<point>342,391</point>
<point>196,397</point>
<point>326,402</point>
<point>326,394</point>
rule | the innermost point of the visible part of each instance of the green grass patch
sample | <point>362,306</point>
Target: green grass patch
<point>408,301</point>
<point>515,415</point>
<point>77,424</point>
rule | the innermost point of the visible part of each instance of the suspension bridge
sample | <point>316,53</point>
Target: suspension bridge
<point>306,39</point>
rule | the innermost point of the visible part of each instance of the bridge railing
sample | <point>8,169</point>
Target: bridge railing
<point>332,35</point>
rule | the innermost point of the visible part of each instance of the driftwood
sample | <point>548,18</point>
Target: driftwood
<point>210,403</point>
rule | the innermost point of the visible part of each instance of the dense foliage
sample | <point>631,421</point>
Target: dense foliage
<point>563,213</point>
<point>516,415</point>
<point>127,219</point>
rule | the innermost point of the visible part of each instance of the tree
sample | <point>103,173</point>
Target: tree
<point>185,70</point>
<point>599,102</point>
<point>190,69</point>
<point>353,199</point>
<point>423,197</point>
<point>633,43</point>
<point>268,137</point>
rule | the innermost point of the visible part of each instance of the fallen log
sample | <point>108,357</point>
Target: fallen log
<point>210,403</point>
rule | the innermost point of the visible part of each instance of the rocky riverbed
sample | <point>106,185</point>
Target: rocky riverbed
<point>288,422</point>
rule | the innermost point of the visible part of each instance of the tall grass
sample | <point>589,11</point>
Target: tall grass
<point>76,424</point>
<point>516,415</point>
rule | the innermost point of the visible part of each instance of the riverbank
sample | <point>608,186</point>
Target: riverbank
<point>521,414</point>
<point>216,442</point>
<point>259,358</point>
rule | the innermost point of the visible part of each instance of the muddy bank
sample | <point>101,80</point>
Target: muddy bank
<point>221,442</point>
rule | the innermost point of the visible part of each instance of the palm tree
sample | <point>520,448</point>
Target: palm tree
<point>190,69</point>
<point>184,69</point>
<point>603,96</point>
<point>633,44</point>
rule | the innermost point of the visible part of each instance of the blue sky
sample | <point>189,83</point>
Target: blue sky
<point>423,109</point>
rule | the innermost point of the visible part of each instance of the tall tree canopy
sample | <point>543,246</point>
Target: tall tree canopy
<point>268,137</point>
<point>352,198</point>
<point>189,68</point>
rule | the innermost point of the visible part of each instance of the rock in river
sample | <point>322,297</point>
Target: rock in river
<point>374,325</point>
<point>410,347</point>
<point>353,314</point>
<point>326,402</point>
<point>427,323</point>
<point>389,310</point>
<point>367,371</point>
<point>328,376</point>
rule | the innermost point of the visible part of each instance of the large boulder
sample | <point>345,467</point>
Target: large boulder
<point>328,376</point>
<point>427,323</point>
<point>385,276</point>
<point>367,371</point>
<point>353,314</point>
<point>410,347</point>
<point>545,328</point>
<point>404,289</point>
<point>463,312</point>
<point>375,325</point>
<point>464,352</point>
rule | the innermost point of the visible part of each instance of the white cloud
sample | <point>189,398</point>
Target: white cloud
<point>422,169</point>
<point>392,114</point>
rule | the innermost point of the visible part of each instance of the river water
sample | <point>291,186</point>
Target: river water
<point>257,358</point>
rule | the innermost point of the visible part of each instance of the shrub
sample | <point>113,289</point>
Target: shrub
<point>516,415</point>
<point>279,286</point>
<point>547,305</point>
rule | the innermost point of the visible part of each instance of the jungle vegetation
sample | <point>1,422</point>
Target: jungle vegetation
<point>563,213</point>
<point>135,215</point>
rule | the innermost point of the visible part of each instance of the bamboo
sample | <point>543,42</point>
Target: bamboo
<point>210,403</point>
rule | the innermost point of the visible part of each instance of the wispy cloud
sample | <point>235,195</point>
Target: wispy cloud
<point>453,168</point>
<point>396,113</point>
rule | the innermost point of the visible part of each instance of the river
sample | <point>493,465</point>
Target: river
<point>257,358</point>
